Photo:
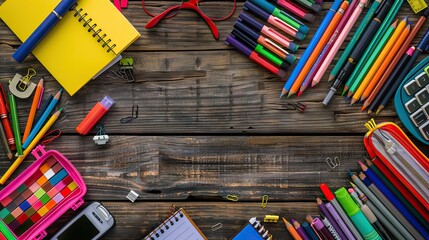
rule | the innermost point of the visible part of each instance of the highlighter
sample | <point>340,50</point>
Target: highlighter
<point>95,115</point>
<point>356,215</point>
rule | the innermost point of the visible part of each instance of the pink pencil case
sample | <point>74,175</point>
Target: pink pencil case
<point>39,196</point>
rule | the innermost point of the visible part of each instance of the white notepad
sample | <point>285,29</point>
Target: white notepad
<point>178,226</point>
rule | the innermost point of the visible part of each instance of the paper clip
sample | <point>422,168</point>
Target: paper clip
<point>216,227</point>
<point>232,198</point>
<point>298,106</point>
<point>264,201</point>
<point>134,115</point>
<point>333,163</point>
<point>21,86</point>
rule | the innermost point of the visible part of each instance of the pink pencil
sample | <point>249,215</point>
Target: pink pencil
<point>345,31</point>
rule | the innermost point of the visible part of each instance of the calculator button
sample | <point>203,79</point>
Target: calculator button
<point>423,96</point>
<point>426,109</point>
<point>412,105</point>
<point>412,87</point>
<point>418,118</point>
<point>425,130</point>
<point>422,79</point>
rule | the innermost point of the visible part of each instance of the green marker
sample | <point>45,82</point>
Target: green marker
<point>383,28</point>
<point>368,64</point>
<point>6,232</point>
<point>366,20</point>
<point>359,220</point>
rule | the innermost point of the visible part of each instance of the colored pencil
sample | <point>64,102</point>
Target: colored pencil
<point>324,211</point>
<point>385,24</point>
<point>42,119</point>
<point>404,232</point>
<point>309,50</point>
<point>310,232</point>
<point>385,63</point>
<point>371,57</point>
<point>299,230</point>
<point>30,147</point>
<point>291,230</point>
<point>318,49</point>
<point>15,123</point>
<point>419,49</point>
<point>33,109</point>
<point>356,36</point>
<point>396,60</point>
<point>375,60</point>
<point>344,31</point>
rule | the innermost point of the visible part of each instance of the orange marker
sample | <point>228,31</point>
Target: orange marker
<point>319,47</point>
<point>95,115</point>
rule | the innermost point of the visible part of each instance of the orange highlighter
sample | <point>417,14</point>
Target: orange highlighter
<point>95,115</point>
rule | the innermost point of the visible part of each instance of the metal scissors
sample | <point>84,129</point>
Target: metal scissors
<point>192,5</point>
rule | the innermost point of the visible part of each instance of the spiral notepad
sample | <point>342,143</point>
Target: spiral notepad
<point>85,41</point>
<point>253,230</point>
<point>179,226</point>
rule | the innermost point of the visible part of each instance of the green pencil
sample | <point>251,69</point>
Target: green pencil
<point>366,20</point>
<point>15,124</point>
<point>372,58</point>
<point>383,28</point>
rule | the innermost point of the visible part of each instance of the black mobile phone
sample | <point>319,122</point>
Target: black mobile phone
<point>90,224</point>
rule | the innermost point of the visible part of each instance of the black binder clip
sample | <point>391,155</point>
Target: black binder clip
<point>126,69</point>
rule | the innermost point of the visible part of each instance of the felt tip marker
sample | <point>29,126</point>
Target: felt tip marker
<point>230,40</point>
<point>267,31</point>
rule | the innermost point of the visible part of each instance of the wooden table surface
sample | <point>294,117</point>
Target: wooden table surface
<point>210,124</point>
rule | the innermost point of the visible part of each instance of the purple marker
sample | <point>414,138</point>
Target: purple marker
<point>339,221</point>
<point>324,232</point>
<point>324,211</point>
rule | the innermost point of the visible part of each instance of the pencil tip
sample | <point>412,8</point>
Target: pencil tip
<point>369,112</point>
<point>289,94</point>
<point>299,93</point>
<point>10,155</point>
<point>378,110</point>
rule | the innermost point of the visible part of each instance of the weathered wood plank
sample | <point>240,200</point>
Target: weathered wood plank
<point>209,168</point>
<point>136,220</point>
<point>198,92</point>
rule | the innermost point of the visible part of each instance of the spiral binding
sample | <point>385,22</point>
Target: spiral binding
<point>167,224</point>
<point>97,33</point>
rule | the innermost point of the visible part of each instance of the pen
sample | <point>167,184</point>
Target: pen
<point>295,9</point>
<point>356,36</point>
<point>377,212</point>
<point>310,5</point>
<point>422,46</point>
<point>291,21</point>
<point>309,50</point>
<point>230,40</point>
<point>323,231</point>
<point>358,51</point>
<point>330,228</point>
<point>15,123</point>
<point>5,119</point>
<point>343,227</point>
<point>275,21</point>
<point>269,32</point>
<point>43,29</point>
<point>277,59</point>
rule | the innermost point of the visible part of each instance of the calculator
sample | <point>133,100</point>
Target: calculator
<point>412,101</point>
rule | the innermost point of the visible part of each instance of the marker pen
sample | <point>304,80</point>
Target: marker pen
<point>95,115</point>
<point>273,20</point>
<point>356,215</point>
<point>267,31</point>
<point>295,9</point>
<point>288,19</point>
<point>262,49</point>
<point>230,40</point>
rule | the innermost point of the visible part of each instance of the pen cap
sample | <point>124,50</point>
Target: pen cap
<point>243,28</point>
<point>243,17</point>
<point>256,10</point>
<point>349,206</point>
<point>326,191</point>
<point>96,113</point>
<point>318,224</point>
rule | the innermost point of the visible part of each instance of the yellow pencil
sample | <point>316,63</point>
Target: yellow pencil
<point>30,147</point>
<point>291,230</point>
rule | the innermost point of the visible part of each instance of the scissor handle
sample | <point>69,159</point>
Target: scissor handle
<point>209,22</point>
<point>154,21</point>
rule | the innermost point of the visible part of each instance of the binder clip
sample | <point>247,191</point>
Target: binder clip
<point>126,69</point>
<point>101,137</point>
<point>21,86</point>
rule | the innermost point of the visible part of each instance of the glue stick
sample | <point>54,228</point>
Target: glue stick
<point>95,115</point>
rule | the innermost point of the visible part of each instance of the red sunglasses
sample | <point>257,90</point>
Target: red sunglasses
<point>195,5</point>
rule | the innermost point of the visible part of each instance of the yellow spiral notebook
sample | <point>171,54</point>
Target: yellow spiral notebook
<point>89,38</point>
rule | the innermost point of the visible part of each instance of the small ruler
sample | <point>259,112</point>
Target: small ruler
<point>417,5</point>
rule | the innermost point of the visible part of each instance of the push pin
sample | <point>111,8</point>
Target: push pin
<point>21,86</point>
